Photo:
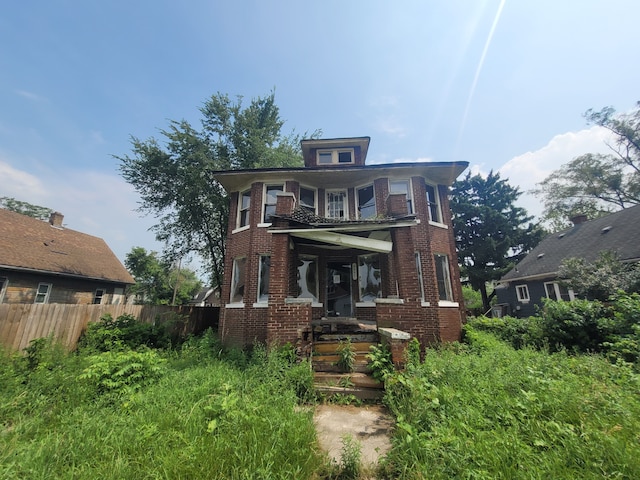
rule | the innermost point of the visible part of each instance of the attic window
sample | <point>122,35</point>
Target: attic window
<point>332,157</point>
<point>606,229</point>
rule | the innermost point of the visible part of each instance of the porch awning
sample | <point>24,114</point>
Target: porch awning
<point>348,241</point>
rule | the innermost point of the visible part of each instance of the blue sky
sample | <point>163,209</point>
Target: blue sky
<point>500,84</point>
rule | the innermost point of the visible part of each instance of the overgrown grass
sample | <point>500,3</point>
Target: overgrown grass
<point>489,411</point>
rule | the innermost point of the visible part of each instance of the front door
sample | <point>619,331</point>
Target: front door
<point>339,303</point>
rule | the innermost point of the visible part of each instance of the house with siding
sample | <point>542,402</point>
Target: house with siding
<point>44,262</point>
<point>521,290</point>
<point>340,246</point>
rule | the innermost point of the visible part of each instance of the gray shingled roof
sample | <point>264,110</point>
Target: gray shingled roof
<point>619,232</point>
<point>28,244</point>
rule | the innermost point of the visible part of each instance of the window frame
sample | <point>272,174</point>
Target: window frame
<point>345,203</point>
<point>409,193</point>
<point>360,287</point>
<point>103,292</point>
<point>558,293</point>
<point>435,204</point>
<point>261,297</point>
<point>335,156</point>
<point>46,294</point>
<point>444,284</point>
<point>315,298</point>
<point>238,271</point>
<point>314,210</point>
<point>358,206</point>
<point>3,287</point>
<point>522,293</point>
<point>265,204</point>
<point>241,210</point>
<point>423,298</point>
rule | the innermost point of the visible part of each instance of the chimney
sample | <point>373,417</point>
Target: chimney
<point>55,219</point>
<point>578,219</point>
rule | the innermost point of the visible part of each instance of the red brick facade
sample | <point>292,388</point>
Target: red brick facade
<point>409,298</point>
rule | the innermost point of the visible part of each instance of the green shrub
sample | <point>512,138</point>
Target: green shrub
<point>380,362</point>
<point>120,371</point>
<point>125,332</point>
<point>346,356</point>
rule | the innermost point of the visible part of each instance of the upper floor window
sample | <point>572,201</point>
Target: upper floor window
<point>435,214</point>
<point>244,208</point>
<point>337,205</point>
<point>333,157</point>
<point>97,297</point>
<point>366,202</point>
<point>402,186</point>
<point>270,199</point>
<point>308,199</point>
<point>42,294</point>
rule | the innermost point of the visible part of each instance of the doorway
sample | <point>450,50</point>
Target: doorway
<point>339,301</point>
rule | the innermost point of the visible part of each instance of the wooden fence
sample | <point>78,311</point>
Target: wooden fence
<point>21,323</point>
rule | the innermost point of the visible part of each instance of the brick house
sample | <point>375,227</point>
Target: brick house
<point>43,262</point>
<point>338,245</point>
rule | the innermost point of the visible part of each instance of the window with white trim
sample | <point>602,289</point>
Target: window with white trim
<point>97,296</point>
<point>522,293</point>
<point>308,199</point>
<point>433,203</point>
<point>420,278</point>
<point>369,277</point>
<point>270,199</point>
<point>443,277</point>
<point>308,277</point>
<point>366,202</point>
<point>118,296</point>
<point>337,207</point>
<point>334,157</point>
<point>402,186</point>
<point>4,281</point>
<point>263,279</point>
<point>238,280</point>
<point>244,208</point>
<point>556,291</point>
<point>43,292</point>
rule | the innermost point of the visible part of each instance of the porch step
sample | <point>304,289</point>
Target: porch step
<point>326,356</point>
<point>354,337</point>
<point>360,385</point>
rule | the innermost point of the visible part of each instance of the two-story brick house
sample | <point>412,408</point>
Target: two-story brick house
<point>338,243</point>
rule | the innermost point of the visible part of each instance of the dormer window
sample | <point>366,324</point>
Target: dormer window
<point>334,157</point>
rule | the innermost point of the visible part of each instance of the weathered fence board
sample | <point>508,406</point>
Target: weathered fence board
<point>21,323</point>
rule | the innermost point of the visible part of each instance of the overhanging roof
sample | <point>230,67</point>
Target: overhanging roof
<point>342,240</point>
<point>443,173</point>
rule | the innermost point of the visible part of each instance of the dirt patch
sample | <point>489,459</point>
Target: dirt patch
<point>369,425</point>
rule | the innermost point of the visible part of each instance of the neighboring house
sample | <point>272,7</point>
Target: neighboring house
<point>43,262</point>
<point>521,290</point>
<point>207,297</point>
<point>338,243</point>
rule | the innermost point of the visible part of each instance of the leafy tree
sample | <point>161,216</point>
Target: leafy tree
<point>491,232</point>
<point>596,184</point>
<point>174,179</point>
<point>157,281</point>
<point>600,279</point>
<point>35,211</point>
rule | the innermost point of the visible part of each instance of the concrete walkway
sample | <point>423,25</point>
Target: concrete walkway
<point>369,425</point>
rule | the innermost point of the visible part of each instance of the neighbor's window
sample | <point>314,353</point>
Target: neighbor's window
<point>118,296</point>
<point>3,286</point>
<point>263,279</point>
<point>402,186</point>
<point>308,277</point>
<point>308,199</point>
<point>522,292</point>
<point>369,277</point>
<point>270,199</point>
<point>366,202</point>
<point>238,280</point>
<point>337,205</point>
<point>434,205</point>
<point>556,291</point>
<point>244,210</point>
<point>97,297</point>
<point>420,279</point>
<point>443,277</point>
<point>42,295</point>
<point>330,157</point>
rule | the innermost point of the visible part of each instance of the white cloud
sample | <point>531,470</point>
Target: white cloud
<point>530,168</point>
<point>17,183</point>
<point>30,95</point>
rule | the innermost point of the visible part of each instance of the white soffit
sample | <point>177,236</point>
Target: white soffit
<point>351,241</point>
